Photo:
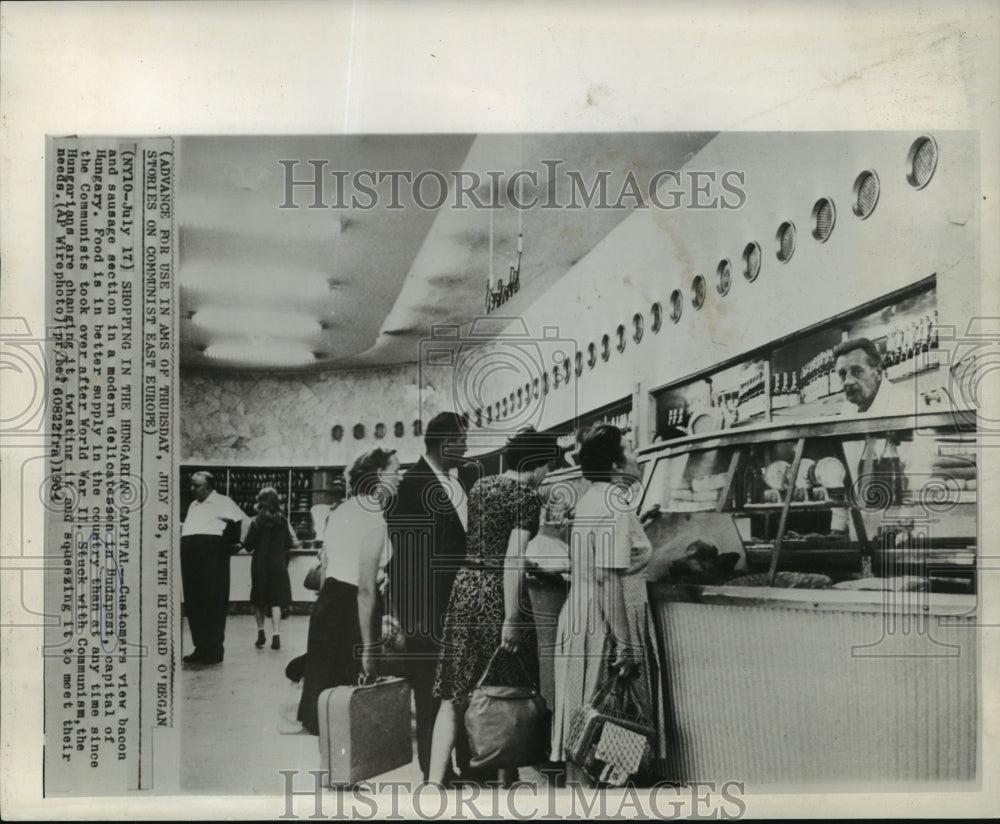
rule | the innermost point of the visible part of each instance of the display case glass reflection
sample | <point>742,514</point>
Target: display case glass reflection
<point>843,500</point>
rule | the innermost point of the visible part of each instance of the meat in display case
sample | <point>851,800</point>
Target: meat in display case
<point>860,504</point>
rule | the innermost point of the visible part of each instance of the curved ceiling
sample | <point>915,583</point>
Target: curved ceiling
<point>270,269</point>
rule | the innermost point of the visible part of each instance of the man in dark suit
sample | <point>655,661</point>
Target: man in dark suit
<point>427,526</point>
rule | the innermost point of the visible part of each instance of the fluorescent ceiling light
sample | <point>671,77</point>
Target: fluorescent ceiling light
<point>249,281</point>
<point>227,320</point>
<point>258,354</point>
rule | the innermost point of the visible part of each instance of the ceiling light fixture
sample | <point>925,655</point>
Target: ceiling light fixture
<point>230,321</point>
<point>272,354</point>
<point>498,294</point>
<point>209,279</point>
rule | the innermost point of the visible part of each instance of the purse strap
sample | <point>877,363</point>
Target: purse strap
<point>527,676</point>
<point>616,697</point>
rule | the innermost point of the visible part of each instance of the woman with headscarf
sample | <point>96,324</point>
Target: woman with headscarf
<point>269,539</point>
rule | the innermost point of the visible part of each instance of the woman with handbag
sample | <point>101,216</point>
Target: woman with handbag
<point>487,605</point>
<point>595,623</point>
<point>347,614</point>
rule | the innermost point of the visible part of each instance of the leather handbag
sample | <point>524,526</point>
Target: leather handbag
<point>313,579</point>
<point>507,726</point>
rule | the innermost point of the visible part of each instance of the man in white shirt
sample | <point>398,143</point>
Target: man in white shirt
<point>205,566</point>
<point>867,392</point>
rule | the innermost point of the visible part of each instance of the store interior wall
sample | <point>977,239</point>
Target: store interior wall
<point>262,419</point>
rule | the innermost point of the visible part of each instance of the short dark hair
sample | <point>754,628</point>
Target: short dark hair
<point>362,477</point>
<point>865,345</point>
<point>529,449</point>
<point>443,425</point>
<point>600,450</point>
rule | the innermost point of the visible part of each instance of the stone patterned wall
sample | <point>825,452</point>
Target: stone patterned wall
<point>286,420</point>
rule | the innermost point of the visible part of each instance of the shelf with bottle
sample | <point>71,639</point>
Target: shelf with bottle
<point>752,401</point>
<point>678,417</point>
<point>912,348</point>
<point>298,488</point>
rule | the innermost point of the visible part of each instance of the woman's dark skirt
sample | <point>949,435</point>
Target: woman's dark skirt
<point>333,651</point>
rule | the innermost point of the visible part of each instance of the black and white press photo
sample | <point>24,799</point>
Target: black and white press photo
<point>579,465</point>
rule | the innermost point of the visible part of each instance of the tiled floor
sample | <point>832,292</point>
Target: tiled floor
<point>231,715</point>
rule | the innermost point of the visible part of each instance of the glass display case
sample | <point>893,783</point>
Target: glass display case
<point>861,499</point>
<point>299,491</point>
<point>795,378</point>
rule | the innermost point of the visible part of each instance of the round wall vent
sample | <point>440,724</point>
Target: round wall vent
<point>824,216</point>
<point>656,312</point>
<point>724,274</point>
<point>921,162</point>
<point>785,238</point>
<point>676,305</point>
<point>751,261</point>
<point>698,292</point>
<point>866,190</point>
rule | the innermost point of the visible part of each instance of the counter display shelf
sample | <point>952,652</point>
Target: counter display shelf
<point>850,498</point>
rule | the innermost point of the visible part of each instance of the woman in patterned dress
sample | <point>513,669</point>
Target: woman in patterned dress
<point>487,608</point>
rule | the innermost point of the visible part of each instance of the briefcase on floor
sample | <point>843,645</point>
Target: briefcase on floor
<point>364,731</point>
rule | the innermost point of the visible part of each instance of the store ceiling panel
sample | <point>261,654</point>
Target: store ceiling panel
<point>274,277</point>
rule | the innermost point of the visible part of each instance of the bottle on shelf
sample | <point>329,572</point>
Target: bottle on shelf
<point>911,335</point>
<point>866,484</point>
<point>794,399</point>
<point>824,372</point>
<point>757,399</point>
<point>899,354</point>
<point>925,344</point>
<point>779,400</point>
<point>888,362</point>
<point>918,345</point>
<point>933,355</point>
<point>889,470</point>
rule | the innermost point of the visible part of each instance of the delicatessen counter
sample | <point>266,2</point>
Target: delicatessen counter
<point>813,588</point>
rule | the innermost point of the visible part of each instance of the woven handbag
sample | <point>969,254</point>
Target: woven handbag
<point>610,739</point>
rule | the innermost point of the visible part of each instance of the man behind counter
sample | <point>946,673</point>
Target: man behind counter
<point>867,392</point>
<point>205,566</point>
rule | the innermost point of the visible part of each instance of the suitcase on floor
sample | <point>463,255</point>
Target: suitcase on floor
<point>364,731</point>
